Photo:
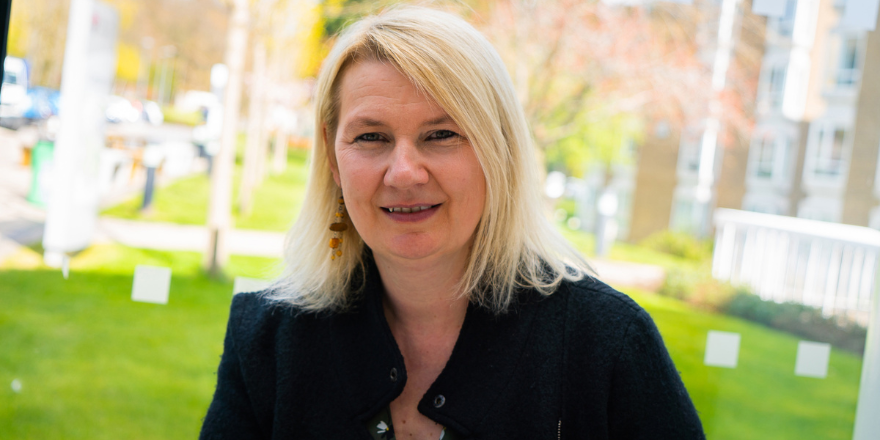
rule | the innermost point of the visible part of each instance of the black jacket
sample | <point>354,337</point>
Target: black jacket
<point>583,363</point>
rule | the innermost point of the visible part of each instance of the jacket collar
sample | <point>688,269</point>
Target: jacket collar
<point>487,352</point>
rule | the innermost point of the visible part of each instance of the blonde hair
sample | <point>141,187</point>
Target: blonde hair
<point>514,247</point>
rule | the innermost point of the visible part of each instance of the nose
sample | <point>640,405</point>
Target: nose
<point>407,167</point>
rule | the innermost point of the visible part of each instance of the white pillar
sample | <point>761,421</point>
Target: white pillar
<point>87,77</point>
<point>867,426</point>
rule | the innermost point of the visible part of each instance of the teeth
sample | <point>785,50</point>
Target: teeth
<point>409,210</point>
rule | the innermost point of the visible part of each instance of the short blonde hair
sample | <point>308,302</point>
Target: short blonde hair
<point>514,247</point>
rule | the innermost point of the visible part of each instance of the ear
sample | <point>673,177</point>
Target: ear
<point>331,156</point>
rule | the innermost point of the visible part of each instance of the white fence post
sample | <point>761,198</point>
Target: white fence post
<point>867,426</point>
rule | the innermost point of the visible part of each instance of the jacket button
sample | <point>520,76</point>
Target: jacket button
<point>393,375</point>
<point>439,401</point>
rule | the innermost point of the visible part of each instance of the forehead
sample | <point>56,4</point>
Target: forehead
<point>378,87</point>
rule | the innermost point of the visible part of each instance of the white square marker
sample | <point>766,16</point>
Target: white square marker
<point>722,349</point>
<point>245,284</point>
<point>151,284</point>
<point>812,359</point>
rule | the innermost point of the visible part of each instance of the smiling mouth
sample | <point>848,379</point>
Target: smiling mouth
<point>410,210</point>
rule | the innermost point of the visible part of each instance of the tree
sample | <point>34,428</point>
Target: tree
<point>220,203</point>
<point>37,32</point>
<point>254,151</point>
<point>591,75</point>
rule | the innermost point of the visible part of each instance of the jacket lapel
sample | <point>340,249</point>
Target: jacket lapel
<point>486,354</point>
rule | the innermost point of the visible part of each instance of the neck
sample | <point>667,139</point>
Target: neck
<point>422,297</point>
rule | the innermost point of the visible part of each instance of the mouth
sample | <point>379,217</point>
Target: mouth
<point>408,209</point>
<point>411,213</point>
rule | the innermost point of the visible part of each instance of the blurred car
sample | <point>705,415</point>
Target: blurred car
<point>120,109</point>
<point>43,102</point>
<point>13,97</point>
<point>152,113</point>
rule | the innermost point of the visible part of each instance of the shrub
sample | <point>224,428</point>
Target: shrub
<point>798,319</point>
<point>679,244</point>
<point>697,287</point>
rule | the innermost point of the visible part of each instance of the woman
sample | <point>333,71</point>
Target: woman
<point>445,305</point>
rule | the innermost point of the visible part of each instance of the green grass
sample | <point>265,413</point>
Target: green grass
<point>275,205</point>
<point>95,365</point>
<point>622,251</point>
<point>761,398</point>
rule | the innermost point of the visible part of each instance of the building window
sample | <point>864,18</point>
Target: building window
<point>776,86</point>
<point>848,69</point>
<point>689,150</point>
<point>769,155</point>
<point>765,151</point>
<point>689,215</point>
<point>827,154</point>
<point>784,25</point>
<point>845,61</point>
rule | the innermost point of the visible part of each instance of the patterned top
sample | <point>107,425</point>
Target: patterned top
<point>381,429</point>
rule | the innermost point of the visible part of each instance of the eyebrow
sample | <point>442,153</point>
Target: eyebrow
<point>370,122</point>
<point>437,121</point>
<point>364,122</point>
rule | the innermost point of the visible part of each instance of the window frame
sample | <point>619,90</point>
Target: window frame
<point>834,57</point>
<point>818,145</point>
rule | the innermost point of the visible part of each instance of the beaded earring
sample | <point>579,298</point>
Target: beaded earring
<point>338,227</point>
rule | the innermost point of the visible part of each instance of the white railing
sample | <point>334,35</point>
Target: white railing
<point>830,266</point>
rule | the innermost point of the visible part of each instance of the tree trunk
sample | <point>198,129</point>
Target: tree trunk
<point>279,155</point>
<point>263,135</point>
<point>605,225</point>
<point>255,151</point>
<point>220,203</point>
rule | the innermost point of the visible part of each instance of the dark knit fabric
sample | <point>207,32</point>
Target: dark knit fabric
<point>586,362</point>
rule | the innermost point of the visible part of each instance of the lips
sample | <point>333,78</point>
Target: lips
<point>408,210</point>
<point>411,213</point>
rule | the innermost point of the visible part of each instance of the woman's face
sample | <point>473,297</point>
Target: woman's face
<point>413,186</point>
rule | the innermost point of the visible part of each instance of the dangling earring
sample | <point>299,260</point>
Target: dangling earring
<point>338,227</point>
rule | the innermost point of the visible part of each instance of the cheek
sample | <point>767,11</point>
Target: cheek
<point>351,170</point>
<point>473,183</point>
<point>359,185</point>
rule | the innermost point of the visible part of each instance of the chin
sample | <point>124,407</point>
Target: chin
<point>408,249</point>
<point>412,252</point>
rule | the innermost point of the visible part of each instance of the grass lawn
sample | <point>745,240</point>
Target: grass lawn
<point>623,251</point>
<point>761,398</point>
<point>95,365</point>
<point>275,205</point>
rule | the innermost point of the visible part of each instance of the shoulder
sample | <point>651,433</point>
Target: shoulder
<point>257,320</point>
<point>593,303</point>
<point>599,323</point>
<point>257,309</point>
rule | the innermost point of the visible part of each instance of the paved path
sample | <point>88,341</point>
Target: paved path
<point>625,274</point>
<point>20,222</point>
<point>174,237</point>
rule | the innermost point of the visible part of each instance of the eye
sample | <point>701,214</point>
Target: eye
<point>369,137</point>
<point>442,135</point>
